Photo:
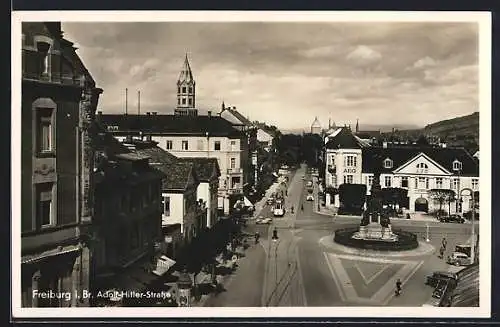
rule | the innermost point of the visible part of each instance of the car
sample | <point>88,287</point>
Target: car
<point>458,259</point>
<point>263,221</point>
<point>309,184</point>
<point>433,280</point>
<point>452,219</point>
<point>310,197</point>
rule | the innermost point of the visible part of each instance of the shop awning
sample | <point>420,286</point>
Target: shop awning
<point>163,264</point>
<point>247,202</point>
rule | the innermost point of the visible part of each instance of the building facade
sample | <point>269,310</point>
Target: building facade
<point>127,224</point>
<point>316,127</point>
<point>59,99</point>
<point>421,171</point>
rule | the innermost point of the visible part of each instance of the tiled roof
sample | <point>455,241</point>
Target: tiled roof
<point>156,154</point>
<point>204,167</point>
<point>177,174</point>
<point>373,156</point>
<point>343,139</point>
<point>171,125</point>
<point>105,142</point>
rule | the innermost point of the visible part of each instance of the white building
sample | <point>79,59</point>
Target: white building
<point>264,138</point>
<point>316,127</point>
<point>185,134</point>
<point>416,169</point>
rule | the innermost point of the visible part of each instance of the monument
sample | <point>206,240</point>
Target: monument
<point>375,223</point>
<point>375,232</point>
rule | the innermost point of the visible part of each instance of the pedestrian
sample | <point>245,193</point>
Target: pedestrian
<point>441,252</point>
<point>302,207</point>
<point>292,208</point>
<point>444,242</point>
<point>398,287</point>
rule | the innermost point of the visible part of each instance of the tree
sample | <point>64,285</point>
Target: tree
<point>352,197</point>
<point>443,196</point>
<point>422,140</point>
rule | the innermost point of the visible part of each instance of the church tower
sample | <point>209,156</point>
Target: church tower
<point>186,92</point>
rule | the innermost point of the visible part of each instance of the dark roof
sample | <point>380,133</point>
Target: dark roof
<point>156,154</point>
<point>177,174</point>
<point>373,156</point>
<point>105,142</point>
<point>466,293</point>
<point>204,167</point>
<point>368,134</point>
<point>171,125</point>
<point>344,139</point>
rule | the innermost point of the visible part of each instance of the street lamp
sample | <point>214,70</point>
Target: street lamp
<point>473,230</point>
<point>427,233</point>
<point>184,284</point>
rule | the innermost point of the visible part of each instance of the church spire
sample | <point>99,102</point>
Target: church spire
<point>357,125</point>
<point>186,91</point>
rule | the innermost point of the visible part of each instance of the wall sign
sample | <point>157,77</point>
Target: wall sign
<point>349,170</point>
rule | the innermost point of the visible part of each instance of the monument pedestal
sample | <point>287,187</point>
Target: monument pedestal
<point>375,231</point>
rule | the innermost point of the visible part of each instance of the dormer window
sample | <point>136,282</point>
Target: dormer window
<point>422,168</point>
<point>388,163</point>
<point>457,165</point>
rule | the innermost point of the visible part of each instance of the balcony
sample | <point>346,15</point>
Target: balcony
<point>234,171</point>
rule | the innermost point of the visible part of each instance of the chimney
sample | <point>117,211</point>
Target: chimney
<point>209,113</point>
<point>154,113</point>
<point>126,101</point>
<point>138,102</point>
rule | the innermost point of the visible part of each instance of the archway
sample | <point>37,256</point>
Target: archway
<point>422,205</point>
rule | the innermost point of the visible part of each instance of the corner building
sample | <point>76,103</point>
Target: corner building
<point>419,170</point>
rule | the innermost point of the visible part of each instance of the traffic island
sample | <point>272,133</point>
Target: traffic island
<point>405,241</point>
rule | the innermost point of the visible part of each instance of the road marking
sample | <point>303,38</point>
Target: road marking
<point>383,295</point>
<point>368,280</point>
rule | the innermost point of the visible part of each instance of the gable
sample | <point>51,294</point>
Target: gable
<point>421,164</point>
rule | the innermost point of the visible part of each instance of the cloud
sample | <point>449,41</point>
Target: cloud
<point>288,73</point>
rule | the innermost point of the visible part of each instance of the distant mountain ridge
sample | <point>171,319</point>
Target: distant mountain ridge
<point>459,126</point>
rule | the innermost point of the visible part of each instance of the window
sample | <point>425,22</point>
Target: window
<point>404,181</point>
<point>169,145</point>
<point>426,183</point>
<point>45,127</point>
<point>457,165</point>
<point>190,89</point>
<point>183,89</point>
<point>217,146</point>
<point>387,163</point>
<point>475,183</point>
<point>233,142</point>
<point>439,182</point>
<point>178,89</point>
<point>178,100</point>
<point>185,145</point>
<point>350,161</point>
<point>166,206</point>
<point>422,182</point>
<point>348,179</point>
<point>422,168</point>
<point>387,181</point>
<point>190,101</point>
<point>370,181</point>
<point>235,182</point>
<point>416,182</point>
<point>45,205</point>
<point>183,100</point>
<point>455,183</point>
<point>233,163</point>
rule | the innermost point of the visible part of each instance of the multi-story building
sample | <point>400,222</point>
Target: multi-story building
<point>316,127</point>
<point>59,99</point>
<point>415,169</point>
<point>250,154</point>
<point>127,222</point>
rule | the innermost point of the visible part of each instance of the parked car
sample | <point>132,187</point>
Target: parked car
<point>468,215</point>
<point>263,221</point>
<point>433,280</point>
<point>452,219</point>
<point>309,184</point>
<point>458,259</point>
<point>310,197</point>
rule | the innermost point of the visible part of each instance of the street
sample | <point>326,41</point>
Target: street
<point>304,267</point>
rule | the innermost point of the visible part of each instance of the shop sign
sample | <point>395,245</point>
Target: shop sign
<point>349,170</point>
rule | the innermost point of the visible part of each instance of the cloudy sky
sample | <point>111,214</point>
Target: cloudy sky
<point>288,73</point>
